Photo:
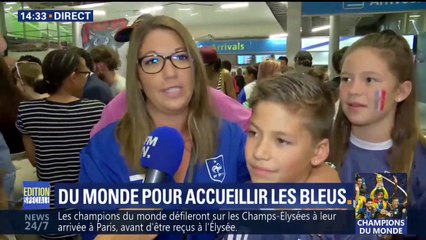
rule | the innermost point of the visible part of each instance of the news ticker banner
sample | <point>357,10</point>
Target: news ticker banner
<point>333,222</point>
<point>55,15</point>
<point>197,196</point>
<point>177,222</point>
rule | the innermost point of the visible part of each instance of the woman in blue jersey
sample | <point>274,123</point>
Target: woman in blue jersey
<point>376,128</point>
<point>166,86</point>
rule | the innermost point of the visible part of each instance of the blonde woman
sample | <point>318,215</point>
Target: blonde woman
<point>166,86</point>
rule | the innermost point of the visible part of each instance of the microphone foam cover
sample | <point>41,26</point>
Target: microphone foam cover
<point>163,150</point>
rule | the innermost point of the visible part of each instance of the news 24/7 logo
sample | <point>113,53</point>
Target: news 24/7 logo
<point>55,15</point>
<point>36,195</point>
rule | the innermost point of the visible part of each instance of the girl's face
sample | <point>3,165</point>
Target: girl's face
<point>369,91</point>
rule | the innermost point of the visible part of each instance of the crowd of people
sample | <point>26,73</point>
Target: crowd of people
<point>273,124</point>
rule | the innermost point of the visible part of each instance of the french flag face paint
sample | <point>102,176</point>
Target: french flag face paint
<point>379,100</point>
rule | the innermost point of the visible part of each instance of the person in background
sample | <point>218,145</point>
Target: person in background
<point>319,73</point>
<point>55,129</point>
<point>25,75</point>
<point>239,78</point>
<point>219,77</point>
<point>267,69</point>
<point>95,88</point>
<point>233,74</point>
<point>107,62</point>
<point>283,64</point>
<point>337,65</point>
<point>166,86</point>
<point>29,58</point>
<point>238,85</point>
<point>227,65</point>
<point>250,75</point>
<point>123,35</point>
<point>228,108</point>
<point>335,82</point>
<point>377,128</point>
<point>10,97</point>
<point>303,61</point>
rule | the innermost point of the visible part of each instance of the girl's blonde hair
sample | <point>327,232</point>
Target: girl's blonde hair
<point>405,134</point>
<point>137,123</point>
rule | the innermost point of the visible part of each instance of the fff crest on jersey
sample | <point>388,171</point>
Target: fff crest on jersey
<point>216,168</point>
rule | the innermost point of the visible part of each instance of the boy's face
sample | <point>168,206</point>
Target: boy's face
<point>279,146</point>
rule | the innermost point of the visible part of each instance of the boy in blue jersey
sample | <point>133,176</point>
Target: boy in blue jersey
<point>376,128</point>
<point>288,138</point>
<point>166,86</point>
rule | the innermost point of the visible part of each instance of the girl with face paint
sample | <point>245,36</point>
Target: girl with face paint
<point>376,128</point>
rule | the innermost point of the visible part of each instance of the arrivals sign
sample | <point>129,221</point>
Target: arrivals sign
<point>331,8</point>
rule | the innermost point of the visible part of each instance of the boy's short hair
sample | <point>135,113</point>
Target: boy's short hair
<point>107,55</point>
<point>303,94</point>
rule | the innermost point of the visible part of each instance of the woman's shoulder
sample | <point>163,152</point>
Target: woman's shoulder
<point>104,144</point>
<point>107,133</point>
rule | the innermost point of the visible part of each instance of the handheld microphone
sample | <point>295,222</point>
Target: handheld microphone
<point>162,154</point>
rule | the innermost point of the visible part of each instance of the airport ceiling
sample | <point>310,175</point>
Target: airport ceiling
<point>210,21</point>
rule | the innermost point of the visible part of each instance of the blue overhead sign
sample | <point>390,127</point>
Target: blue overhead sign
<point>247,46</point>
<point>331,8</point>
<point>252,46</point>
